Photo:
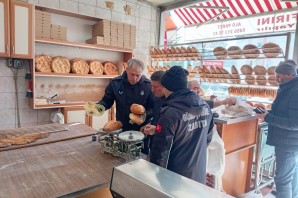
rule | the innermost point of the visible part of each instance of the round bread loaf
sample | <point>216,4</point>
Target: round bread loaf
<point>137,109</point>
<point>234,52</point>
<point>250,51</point>
<point>60,65</point>
<point>220,52</point>
<point>271,50</point>
<point>43,63</point>
<point>112,126</point>
<point>135,118</point>
<point>260,70</point>
<point>246,69</point>
<point>272,80</point>
<point>249,79</point>
<point>109,68</point>
<point>96,67</point>
<point>79,66</point>
<point>261,80</point>
<point>271,70</point>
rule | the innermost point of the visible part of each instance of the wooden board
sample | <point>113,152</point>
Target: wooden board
<point>55,169</point>
<point>32,130</point>
<point>57,133</point>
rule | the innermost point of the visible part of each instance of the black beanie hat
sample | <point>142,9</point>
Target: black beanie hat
<point>175,79</point>
<point>287,67</point>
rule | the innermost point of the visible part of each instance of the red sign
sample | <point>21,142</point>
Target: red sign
<point>214,63</point>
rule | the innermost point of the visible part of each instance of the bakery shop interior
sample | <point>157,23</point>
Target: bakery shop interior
<point>149,98</point>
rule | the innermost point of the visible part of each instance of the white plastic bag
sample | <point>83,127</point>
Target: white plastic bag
<point>57,117</point>
<point>216,159</point>
<point>252,194</point>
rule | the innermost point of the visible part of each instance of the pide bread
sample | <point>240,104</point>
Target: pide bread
<point>109,68</point>
<point>135,118</point>
<point>112,126</point>
<point>43,63</point>
<point>79,66</point>
<point>60,65</point>
<point>122,67</point>
<point>260,70</point>
<point>137,109</point>
<point>96,67</point>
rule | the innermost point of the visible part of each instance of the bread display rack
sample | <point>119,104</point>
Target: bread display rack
<point>244,63</point>
<point>70,73</point>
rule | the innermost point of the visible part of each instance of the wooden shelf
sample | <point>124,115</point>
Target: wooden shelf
<point>82,45</point>
<point>70,104</point>
<point>70,75</point>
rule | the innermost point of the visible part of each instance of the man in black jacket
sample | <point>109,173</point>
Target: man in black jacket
<point>183,129</point>
<point>129,88</point>
<point>283,130</point>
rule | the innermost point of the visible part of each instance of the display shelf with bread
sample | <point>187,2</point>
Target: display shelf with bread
<point>66,66</point>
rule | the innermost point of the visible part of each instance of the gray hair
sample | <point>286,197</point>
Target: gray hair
<point>191,81</point>
<point>137,62</point>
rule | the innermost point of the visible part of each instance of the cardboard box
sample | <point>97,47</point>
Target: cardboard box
<point>96,40</point>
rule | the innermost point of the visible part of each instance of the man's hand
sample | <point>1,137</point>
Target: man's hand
<point>93,109</point>
<point>229,101</point>
<point>149,129</point>
<point>262,116</point>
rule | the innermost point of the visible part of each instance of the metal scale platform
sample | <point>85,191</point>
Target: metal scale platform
<point>126,145</point>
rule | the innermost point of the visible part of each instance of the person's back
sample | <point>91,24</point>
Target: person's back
<point>183,129</point>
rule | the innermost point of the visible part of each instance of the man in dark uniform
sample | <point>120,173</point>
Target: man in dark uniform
<point>183,130</point>
<point>129,88</point>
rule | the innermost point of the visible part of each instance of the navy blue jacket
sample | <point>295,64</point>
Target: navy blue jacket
<point>125,94</point>
<point>183,130</point>
<point>283,118</point>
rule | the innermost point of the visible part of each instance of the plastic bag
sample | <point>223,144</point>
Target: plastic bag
<point>216,159</point>
<point>57,117</point>
<point>252,194</point>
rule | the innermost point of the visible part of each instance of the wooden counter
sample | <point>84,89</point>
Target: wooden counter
<point>239,139</point>
<point>55,169</point>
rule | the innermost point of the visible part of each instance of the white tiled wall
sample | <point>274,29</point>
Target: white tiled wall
<point>143,16</point>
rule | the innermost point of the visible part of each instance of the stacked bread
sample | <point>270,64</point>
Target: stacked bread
<point>252,92</point>
<point>249,51</point>
<point>137,115</point>
<point>62,65</point>
<point>262,76</point>
<point>175,53</point>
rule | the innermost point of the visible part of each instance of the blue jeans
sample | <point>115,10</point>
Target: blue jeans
<point>286,175</point>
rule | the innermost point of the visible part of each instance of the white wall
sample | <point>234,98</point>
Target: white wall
<point>143,17</point>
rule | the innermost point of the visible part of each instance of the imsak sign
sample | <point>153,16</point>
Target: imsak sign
<point>261,24</point>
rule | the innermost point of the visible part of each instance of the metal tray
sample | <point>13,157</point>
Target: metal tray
<point>101,131</point>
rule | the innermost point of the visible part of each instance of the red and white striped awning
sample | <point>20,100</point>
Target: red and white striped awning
<point>237,8</point>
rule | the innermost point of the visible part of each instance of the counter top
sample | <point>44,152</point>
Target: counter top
<point>55,169</point>
<point>225,120</point>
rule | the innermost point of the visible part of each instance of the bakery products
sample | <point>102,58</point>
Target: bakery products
<point>220,52</point>
<point>271,50</point>
<point>272,80</point>
<point>122,67</point>
<point>136,119</point>
<point>271,70</point>
<point>109,68</point>
<point>96,67</point>
<point>246,69</point>
<point>250,51</point>
<point>249,103</point>
<point>137,109</point>
<point>112,126</point>
<point>79,66</point>
<point>234,70</point>
<point>234,52</point>
<point>260,70</point>
<point>261,80</point>
<point>60,65</point>
<point>249,79</point>
<point>43,63</point>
